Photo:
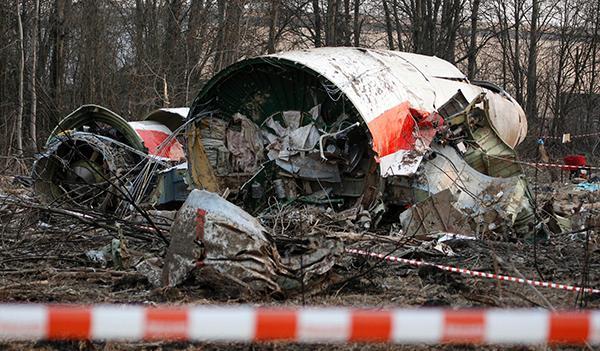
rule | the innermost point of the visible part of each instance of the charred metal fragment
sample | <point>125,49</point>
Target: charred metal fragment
<point>81,168</point>
<point>94,157</point>
<point>496,204</point>
<point>435,215</point>
<point>232,251</point>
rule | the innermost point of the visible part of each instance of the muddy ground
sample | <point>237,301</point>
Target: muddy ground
<point>43,259</point>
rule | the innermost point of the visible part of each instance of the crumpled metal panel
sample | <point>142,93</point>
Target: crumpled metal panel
<point>63,175</point>
<point>155,135</point>
<point>94,113</point>
<point>483,144</point>
<point>506,115</point>
<point>435,215</point>
<point>172,117</point>
<point>377,80</point>
<point>213,233</point>
<point>512,129</point>
<point>234,251</point>
<point>503,201</point>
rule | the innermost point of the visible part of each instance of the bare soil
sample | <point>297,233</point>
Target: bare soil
<point>42,259</point>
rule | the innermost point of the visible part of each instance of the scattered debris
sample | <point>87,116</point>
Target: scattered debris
<point>434,215</point>
<point>373,141</point>
<point>318,149</point>
<point>94,158</point>
<point>232,248</point>
<point>210,230</point>
<point>589,186</point>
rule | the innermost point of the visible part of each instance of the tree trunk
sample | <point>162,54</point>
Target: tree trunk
<point>139,28</point>
<point>517,54</point>
<point>196,17</point>
<point>388,25</point>
<point>531,106</point>
<point>346,27</point>
<point>58,55</point>
<point>331,35</point>
<point>171,54</point>
<point>19,126</point>
<point>592,100</point>
<point>397,25</point>
<point>356,26</point>
<point>273,20</point>
<point>228,37</point>
<point>472,55</point>
<point>34,44</point>
<point>317,13</point>
<point>220,37</point>
<point>232,31</point>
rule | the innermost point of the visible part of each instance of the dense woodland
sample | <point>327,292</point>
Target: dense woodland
<point>133,56</point>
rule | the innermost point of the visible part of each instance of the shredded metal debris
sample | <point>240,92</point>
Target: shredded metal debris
<point>380,146</point>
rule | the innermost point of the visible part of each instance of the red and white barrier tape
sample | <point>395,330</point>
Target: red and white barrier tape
<point>547,165</point>
<point>474,273</point>
<point>571,136</point>
<point>306,325</point>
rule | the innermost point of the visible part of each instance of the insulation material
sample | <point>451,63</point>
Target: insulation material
<point>298,140</point>
<point>311,167</point>
<point>245,145</point>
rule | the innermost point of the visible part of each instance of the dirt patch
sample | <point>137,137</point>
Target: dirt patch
<point>44,260</point>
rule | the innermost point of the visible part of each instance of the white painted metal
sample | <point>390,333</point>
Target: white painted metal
<point>378,80</point>
<point>181,111</point>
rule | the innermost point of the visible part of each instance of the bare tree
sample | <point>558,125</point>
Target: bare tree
<point>516,61</point>
<point>34,45</point>
<point>388,25</point>
<point>357,23</point>
<point>345,28</point>
<point>58,53</point>
<point>531,106</point>
<point>572,57</point>
<point>434,25</point>
<point>228,41</point>
<point>317,13</point>
<point>398,25</point>
<point>473,48</point>
<point>591,89</point>
<point>21,81</point>
<point>331,33</point>
<point>273,19</point>
<point>508,29</point>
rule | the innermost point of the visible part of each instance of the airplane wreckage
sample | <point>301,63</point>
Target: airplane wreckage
<point>385,136</point>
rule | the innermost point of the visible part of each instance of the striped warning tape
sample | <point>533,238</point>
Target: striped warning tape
<point>306,324</point>
<point>546,165</point>
<point>474,273</point>
<point>571,136</point>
